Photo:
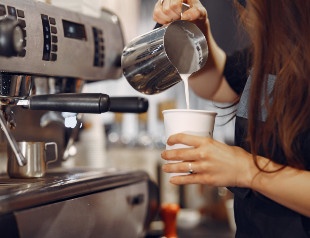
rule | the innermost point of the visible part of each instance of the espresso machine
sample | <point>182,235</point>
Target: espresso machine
<point>47,55</point>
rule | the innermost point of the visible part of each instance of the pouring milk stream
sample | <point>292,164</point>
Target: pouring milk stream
<point>186,89</point>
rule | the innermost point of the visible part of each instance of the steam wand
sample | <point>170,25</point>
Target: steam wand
<point>19,156</point>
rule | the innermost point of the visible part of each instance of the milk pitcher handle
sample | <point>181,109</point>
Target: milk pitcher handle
<point>47,144</point>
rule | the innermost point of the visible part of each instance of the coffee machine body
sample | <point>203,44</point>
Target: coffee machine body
<point>60,43</point>
<point>47,55</point>
<point>48,50</point>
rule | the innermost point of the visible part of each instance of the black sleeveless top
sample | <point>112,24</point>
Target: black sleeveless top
<point>255,214</point>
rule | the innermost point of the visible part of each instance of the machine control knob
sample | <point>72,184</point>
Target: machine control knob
<point>12,37</point>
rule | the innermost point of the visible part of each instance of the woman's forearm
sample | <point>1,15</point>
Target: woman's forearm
<point>209,82</point>
<point>287,186</point>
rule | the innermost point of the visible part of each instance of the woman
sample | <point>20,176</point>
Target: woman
<point>268,168</point>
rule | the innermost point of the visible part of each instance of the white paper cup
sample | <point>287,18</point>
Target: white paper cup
<point>193,122</point>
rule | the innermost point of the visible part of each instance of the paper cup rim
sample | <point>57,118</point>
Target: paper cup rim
<point>190,110</point>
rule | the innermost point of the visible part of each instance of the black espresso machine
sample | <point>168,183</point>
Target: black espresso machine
<point>47,54</point>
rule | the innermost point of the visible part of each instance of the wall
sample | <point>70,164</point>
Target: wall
<point>128,12</point>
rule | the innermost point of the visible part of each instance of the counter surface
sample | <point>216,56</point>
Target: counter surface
<point>60,184</point>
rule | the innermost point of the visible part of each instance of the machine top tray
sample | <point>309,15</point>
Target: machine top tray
<point>60,184</point>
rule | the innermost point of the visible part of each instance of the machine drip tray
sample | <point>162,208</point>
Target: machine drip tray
<point>59,184</point>
<point>75,203</point>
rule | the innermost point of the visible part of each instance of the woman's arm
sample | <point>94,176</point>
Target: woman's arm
<point>218,164</point>
<point>209,82</point>
<point>289,186</point>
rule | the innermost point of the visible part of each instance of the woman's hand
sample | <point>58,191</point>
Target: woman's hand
<point>212,162</point>
<point>209,82</point>
<point>166,11</point>
<point>217,164</point>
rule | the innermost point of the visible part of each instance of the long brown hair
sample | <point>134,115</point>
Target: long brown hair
<point>280,33</point>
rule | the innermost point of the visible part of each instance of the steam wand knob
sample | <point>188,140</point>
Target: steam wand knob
<point>12,37</point>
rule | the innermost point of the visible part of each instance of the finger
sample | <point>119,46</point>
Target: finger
<point>175,154</point>
<point>182,154</point>
<point>195,12</point>
<point>187,139</point>
<point>181,167</point>
<point>173,8</point>
<point>167,11</point>
<point>186,179</point>
<point>159,16</point>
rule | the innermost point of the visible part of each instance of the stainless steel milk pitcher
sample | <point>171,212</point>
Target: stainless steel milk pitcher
<point>154,61</point>
<point>36,157</point>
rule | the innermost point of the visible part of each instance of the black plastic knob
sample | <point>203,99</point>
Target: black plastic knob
<point>11,37</point>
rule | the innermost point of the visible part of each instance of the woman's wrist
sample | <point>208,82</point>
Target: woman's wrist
<point>262,171</point>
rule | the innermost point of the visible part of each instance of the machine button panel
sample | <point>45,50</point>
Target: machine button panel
<point>20,13</point>
<point>52,21</point>
<point>47,38</point>
<point>54,30</point>
<point>54,39</point>
<point>22,53</point>
<point>99,47</point>
<point>53,57</point>
<point>2,10</point>
<point>12,11</point>
<point>54,48</point>
<point>50,38</point>
<point>22,23</point>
